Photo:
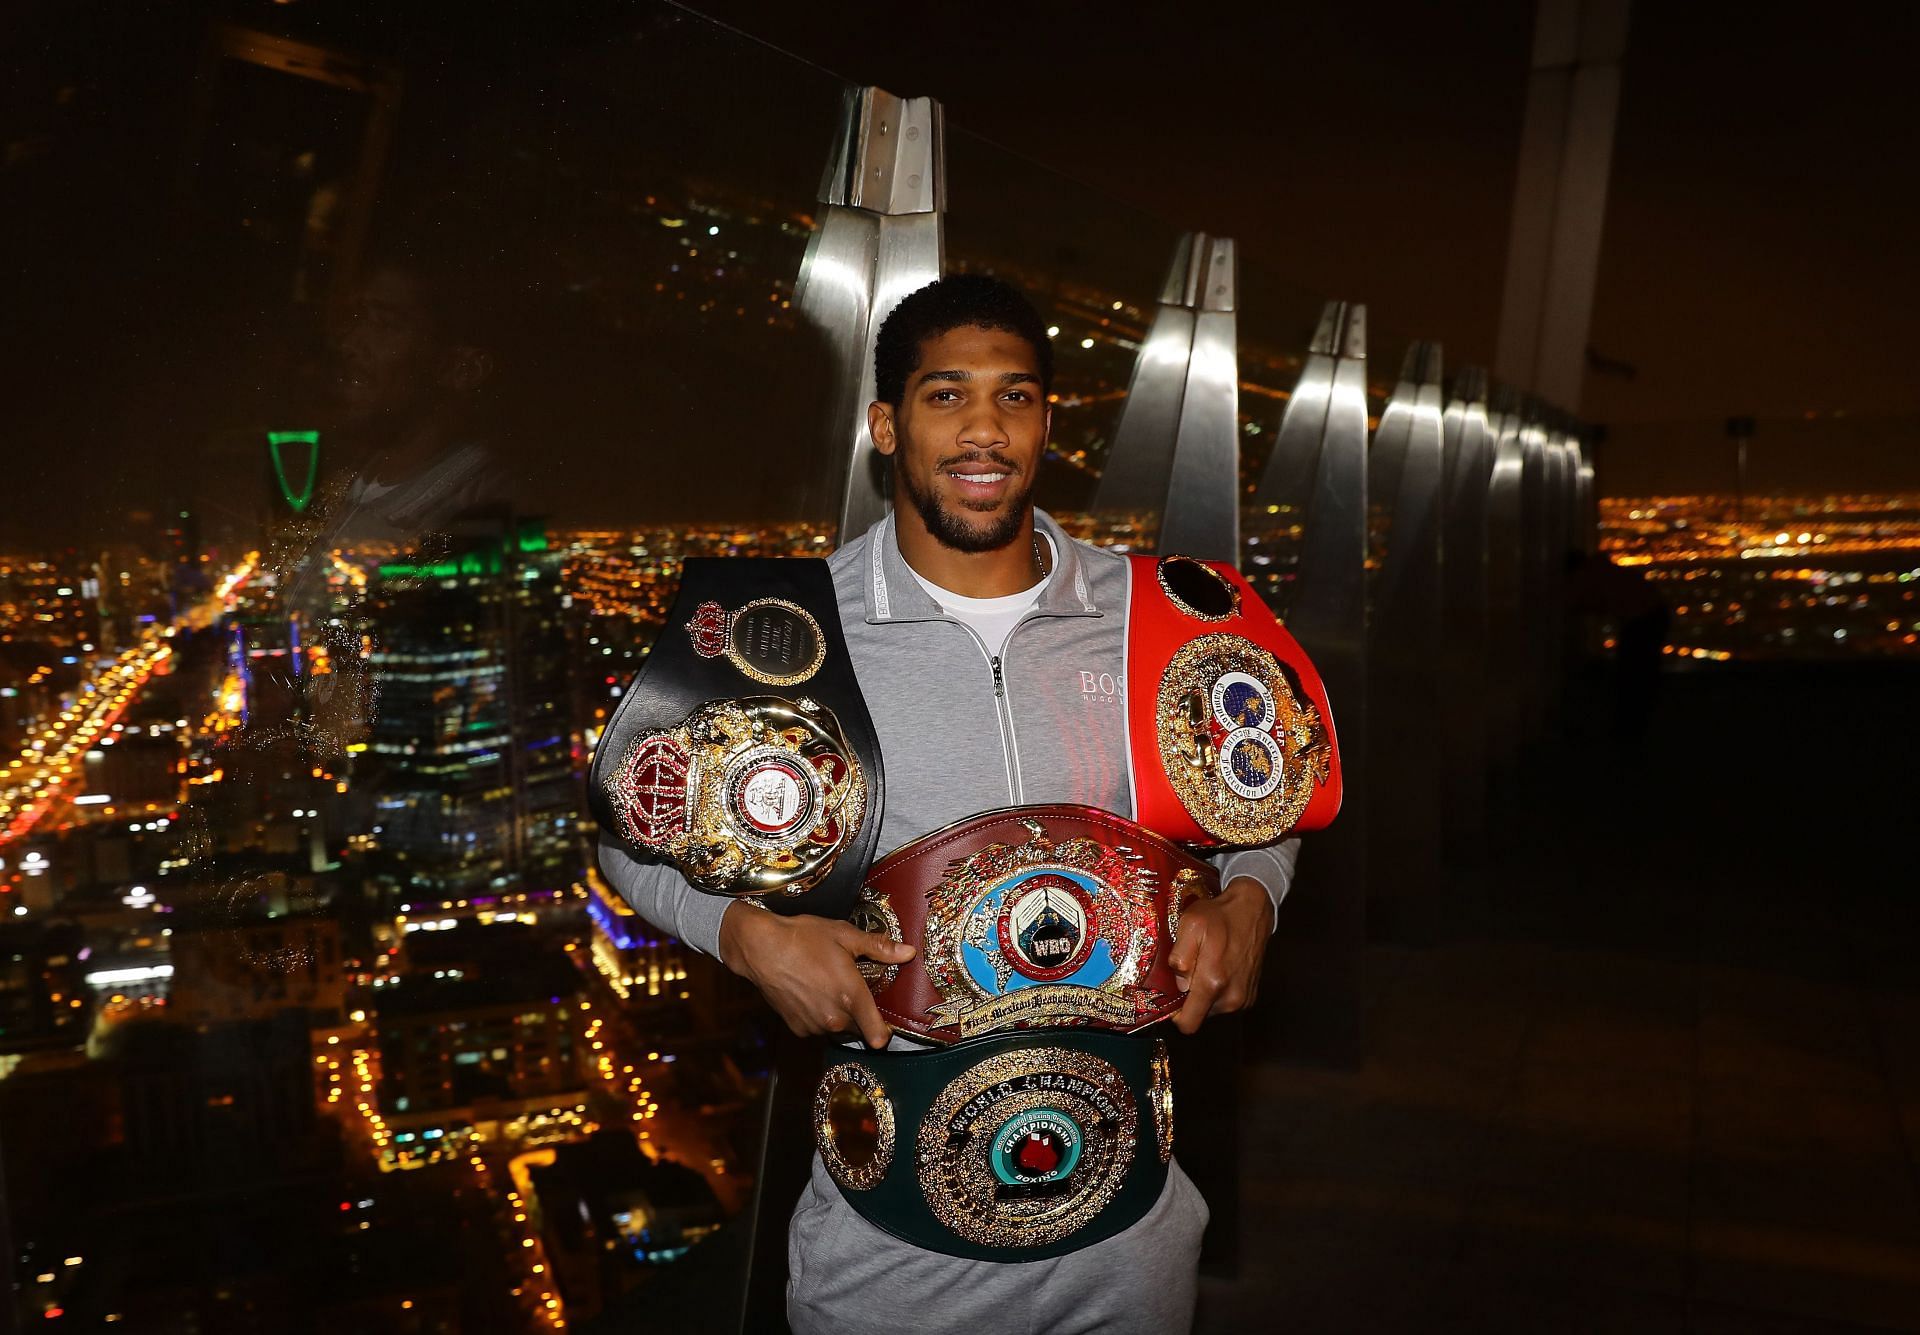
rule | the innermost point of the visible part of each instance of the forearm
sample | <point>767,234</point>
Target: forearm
<point>661,895</point>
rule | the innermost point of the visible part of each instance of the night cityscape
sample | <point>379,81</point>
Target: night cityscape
<point>342,504</point>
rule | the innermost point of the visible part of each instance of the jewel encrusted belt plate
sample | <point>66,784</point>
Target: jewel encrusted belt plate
<point>749,797</point>
<point>1030,917</point>
<point>742,750</point>
<point>1233,741</point>
<point>1009,1148</point>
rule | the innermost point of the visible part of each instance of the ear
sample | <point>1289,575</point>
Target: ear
<point>880,423</point>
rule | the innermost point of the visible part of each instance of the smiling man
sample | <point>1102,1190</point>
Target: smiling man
<point>990,648</point>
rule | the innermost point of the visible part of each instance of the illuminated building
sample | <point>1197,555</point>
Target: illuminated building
<point>473,727</point>
<point>136,766</point>
<point>657,985</point>
<point>451,1043</point>
<point>56,604</point>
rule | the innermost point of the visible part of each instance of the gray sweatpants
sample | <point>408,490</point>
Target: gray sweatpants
<point>846,1277</point>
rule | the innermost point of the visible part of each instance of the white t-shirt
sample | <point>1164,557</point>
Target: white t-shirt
<point>992,619</point>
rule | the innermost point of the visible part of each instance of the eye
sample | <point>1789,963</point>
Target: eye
<point>1019,396</point>
<point>944,395</point>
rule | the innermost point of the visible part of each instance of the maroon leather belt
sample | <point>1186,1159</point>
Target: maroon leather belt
<point>1030,917</point>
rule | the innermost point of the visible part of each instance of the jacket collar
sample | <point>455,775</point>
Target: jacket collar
<point>893,594</point>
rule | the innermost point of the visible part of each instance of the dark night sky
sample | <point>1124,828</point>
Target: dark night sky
<point>1759,252</point>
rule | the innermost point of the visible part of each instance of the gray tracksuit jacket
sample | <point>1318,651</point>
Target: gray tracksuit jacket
<point>960,732</point>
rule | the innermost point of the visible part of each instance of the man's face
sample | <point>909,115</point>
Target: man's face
<point>967,437</point>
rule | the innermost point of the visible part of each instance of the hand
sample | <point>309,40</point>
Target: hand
<point>1222,943</point>
<point>804,967</point>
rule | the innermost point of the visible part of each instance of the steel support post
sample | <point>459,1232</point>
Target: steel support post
<point>1534,509</point>
<point>1404,705</point>
<point>1176,452</point>
<point>880,238</point>
<point>1586,513</point>
<point>1553,612</point>
<point>1506,588</point>
<point>1318,470</point>
<point>1467,469</point>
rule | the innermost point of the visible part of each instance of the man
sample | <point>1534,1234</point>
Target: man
<point>990,648</point>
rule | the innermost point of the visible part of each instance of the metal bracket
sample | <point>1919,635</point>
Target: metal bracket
<point>1506,583</point>
<point>1316,481</point>
<point>1315,487</point>
<point>1176,452</point>
<point>881,238</point>
<point>1405,708</point>
<point>1467,472</point>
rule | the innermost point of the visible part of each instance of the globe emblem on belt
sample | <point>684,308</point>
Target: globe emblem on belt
<point>1242,701</point>
<point>1252,763</point>
<point>1035,1149</point>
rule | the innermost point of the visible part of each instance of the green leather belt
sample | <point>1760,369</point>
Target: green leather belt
<point>1013,1147</point>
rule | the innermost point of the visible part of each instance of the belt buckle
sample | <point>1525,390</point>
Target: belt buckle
<point>1044,932</point>
<point>1027,1147</point>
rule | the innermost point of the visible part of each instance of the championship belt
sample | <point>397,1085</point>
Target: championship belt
<point>1233,741</point>
<point>1029,917</point>
<point>742,751</point>
<point>1009,1148</point>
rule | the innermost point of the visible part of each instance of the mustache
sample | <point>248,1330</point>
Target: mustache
<point>1000,462</point>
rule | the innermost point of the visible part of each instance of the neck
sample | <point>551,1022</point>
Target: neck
<point>991,574</point>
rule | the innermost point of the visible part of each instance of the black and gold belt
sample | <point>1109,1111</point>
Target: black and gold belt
<point>1013,1147</point>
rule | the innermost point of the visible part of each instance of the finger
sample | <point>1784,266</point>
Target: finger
<point>873,946</point>
<point>1187,1019</point>
<point>1185,950</point>
<point>1203,987</point>
<point>866,1016</point>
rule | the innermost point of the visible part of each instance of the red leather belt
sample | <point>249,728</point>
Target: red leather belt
<point>1030,917</point>
<point>1232,737</point>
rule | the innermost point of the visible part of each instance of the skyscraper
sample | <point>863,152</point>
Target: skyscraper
<point>472,734</point>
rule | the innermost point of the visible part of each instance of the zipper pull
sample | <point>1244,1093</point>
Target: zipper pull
<point>999,682</point>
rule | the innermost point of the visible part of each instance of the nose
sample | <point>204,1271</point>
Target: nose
<point>984,427</point>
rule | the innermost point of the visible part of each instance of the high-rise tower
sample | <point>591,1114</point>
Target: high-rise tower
<point>472,733</point>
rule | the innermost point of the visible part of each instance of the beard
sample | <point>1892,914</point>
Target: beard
<point>949,529</point>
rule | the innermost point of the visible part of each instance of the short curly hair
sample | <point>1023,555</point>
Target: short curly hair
<point>958,301</point>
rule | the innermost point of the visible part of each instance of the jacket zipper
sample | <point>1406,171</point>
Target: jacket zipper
<point>1009,740</point>
<point>1009,751</point>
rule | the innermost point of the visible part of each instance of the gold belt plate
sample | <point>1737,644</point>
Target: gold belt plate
<point>1242,750</point>
<point>748,797</point>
